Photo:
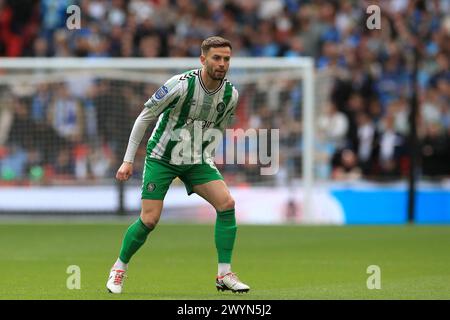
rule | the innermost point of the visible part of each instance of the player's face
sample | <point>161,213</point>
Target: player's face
<point>217,62</point>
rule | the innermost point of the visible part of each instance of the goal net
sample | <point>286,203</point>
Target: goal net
<point>66,121</point>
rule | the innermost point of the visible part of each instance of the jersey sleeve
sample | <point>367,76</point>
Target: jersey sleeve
<point>159,101</point>
<point>137,133</point>
<point>164,96</point>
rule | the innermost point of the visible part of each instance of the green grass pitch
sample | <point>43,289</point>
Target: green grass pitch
<point>179,261</point>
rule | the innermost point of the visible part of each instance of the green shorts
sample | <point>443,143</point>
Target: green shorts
<point>159,174</point>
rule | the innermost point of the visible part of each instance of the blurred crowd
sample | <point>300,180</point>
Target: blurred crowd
<point>362,125</point>
<point>53,134</point>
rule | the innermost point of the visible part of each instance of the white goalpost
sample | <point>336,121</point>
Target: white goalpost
<point>268,87</point>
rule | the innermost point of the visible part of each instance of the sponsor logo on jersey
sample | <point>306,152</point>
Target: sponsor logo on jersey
<point>161,92</point>
<point>206,124</point>
<point>220,107</point>
<point>200,123</point>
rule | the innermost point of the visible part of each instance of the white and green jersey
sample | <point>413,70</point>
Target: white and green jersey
<point>183,102</point>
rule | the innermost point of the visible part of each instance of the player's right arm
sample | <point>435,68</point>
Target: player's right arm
<point>159,101</point>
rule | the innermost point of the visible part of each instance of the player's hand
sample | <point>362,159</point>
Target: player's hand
<point>125,171</point>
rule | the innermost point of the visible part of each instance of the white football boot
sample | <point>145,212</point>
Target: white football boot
<point>231,282</point>
<point>116,280</point>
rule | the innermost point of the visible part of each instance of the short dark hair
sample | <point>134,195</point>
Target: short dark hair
<point>214,42</point>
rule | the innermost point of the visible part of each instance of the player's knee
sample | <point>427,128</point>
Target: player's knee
<point>149,218</point>
<point>227,204</point>
<point>149,221</point>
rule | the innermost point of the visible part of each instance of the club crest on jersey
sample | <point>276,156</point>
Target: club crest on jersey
<point>151,187</point>
<point>220,107</point>
<point>161,92</point>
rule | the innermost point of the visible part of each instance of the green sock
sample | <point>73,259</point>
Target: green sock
<point>134,238</point>
<point>225,234</point>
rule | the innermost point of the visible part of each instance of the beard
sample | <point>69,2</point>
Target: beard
<point>213,74</point>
